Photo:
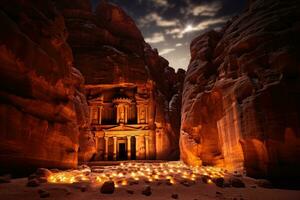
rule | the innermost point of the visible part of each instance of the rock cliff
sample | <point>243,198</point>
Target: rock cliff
<point>241,93</point>
<point>42,106</point>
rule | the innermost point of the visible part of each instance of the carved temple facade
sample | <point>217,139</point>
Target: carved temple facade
<point>121,119</point>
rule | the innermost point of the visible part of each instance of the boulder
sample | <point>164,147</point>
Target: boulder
<point>33,183</point>
<point>237,183</point>
<point>108,187</point>
<point>147,191</point>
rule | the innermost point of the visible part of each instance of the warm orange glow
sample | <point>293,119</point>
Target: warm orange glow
<point>123,174</point>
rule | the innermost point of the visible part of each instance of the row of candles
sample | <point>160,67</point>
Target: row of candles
<point>125,173</point>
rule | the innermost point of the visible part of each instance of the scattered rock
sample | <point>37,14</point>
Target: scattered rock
<point>174,196</point>
<point>168,182</point>
<point>186,183</point>
<point>147,190</point>
<point>108,187</point>
<point>264,183</point>
<point>33,183</point>
<point>43,172</point>
<point>130,191</point>
<point>238,183</point>
<point>5,179</point>
<point>83,188</point>
<point>43,193</point>
<point>205,179</point>
<point>219,182</point>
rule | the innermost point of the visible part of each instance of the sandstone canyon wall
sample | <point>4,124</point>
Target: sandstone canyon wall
<point>110,52</point>
<point>242,92</point>
<point>42,106</point>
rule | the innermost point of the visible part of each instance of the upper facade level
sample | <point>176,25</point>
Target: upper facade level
<point>121,106</point>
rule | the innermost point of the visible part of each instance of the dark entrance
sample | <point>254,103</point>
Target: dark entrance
<point>133,148</point>
<point>122,151</point>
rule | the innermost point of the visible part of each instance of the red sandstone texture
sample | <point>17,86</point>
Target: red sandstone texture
<point>242,92</point>
<point>110,50</point>
<point>42,106</point>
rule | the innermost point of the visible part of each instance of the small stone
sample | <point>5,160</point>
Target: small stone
<point>168,182</point>
<point>33,183</point>
<point>218,193</point>
<point>43,172</point>
<point>5,179</point>
<point>130,191</point>
<point>174,196</point>
<point>108,187</point>
<point>237,183</point>
<point>185,183</point>
<point>147,190</point>
<point>83,188</point>
<point>205,179</point>
<point>264,183</point>
<point>219,182</point>
<point>43,193</point>
<point>253,186</point>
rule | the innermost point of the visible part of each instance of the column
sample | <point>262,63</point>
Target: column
<point>129,147</point>
<point>147,146</point>
<point>106,148</point>
<point>126,113</point>
<point>91,114</point>
<point>138,113</point>
<point>115,148</point>
<point>100,114</point>
<point>137,154</point>
<point>118,111</point>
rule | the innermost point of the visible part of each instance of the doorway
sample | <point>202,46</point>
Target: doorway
<point>122,151</point>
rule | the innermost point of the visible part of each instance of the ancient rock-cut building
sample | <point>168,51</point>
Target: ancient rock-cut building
<point>120,118</point>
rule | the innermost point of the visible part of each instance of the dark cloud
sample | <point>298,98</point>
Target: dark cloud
<point>170,25</point>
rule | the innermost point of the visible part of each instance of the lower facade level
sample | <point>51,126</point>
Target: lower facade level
<point>125,143</point>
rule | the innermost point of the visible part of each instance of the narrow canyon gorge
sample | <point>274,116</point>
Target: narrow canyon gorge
<point>79,84</point>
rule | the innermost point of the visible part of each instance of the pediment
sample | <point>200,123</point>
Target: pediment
<point>124,128</point>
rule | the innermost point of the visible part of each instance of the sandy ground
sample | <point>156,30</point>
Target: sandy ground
<point>17,190</point>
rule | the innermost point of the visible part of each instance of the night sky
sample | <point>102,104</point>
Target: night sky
<point>170,25</point>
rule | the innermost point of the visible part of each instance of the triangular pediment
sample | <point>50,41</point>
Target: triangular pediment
<point>123,128</point>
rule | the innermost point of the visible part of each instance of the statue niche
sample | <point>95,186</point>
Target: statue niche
<point>122,106</point>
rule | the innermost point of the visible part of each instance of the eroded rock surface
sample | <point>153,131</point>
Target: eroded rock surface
<point>42,105</point>
<point>241,93</point>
